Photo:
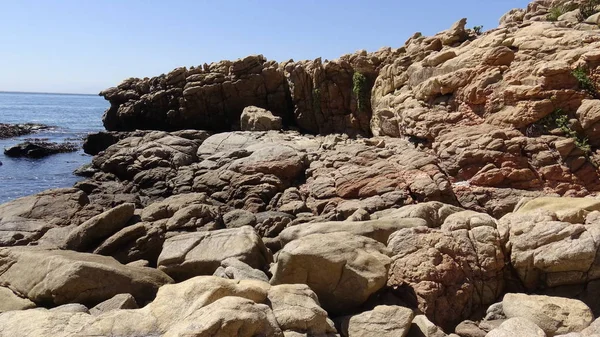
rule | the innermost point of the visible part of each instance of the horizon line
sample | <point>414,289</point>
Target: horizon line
<point>45,93</point>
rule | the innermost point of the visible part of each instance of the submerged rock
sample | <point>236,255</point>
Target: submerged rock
<point>39,149</point>
<point>16,130</point>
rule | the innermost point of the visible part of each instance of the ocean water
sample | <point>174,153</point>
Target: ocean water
<point>72,117</point>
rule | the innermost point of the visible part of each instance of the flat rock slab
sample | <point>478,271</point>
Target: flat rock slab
<point>188,255</point>
<point>55,277</point>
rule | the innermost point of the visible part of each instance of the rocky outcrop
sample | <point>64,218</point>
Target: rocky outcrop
<point>316,96</point>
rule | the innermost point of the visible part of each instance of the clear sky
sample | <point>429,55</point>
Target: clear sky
<point>84,46</point>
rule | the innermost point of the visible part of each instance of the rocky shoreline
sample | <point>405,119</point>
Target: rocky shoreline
<point>445,188</point>
<point>16,130</point>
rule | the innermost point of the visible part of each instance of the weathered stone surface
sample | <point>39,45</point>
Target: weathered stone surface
<point>296,309</point>
<point>10,301</point>
<point>379,229</point>
<point>553,242</point>
<point>422,327</point>
<point>54,277</point>
<point>120,301</point>
<point>341,268</point>
<point>25,220</point>
<point>201,306</point>
<point>234,269</point>
<point>453,270</point>
<point>382,321</point>
<point>554,315</point>
<point>517,327</point>
<point>100,227</point>
<point>188,255</point>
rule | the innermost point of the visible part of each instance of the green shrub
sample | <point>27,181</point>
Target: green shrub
<point>585,82</point>
<point>559,119</point>
<point>478,30</point>
<point>359,88</point>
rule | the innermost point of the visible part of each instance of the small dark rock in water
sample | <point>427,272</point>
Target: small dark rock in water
<point>38,149</point>
<point>16,130</point>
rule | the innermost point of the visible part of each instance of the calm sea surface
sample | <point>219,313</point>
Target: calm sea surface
<point>72,117</point>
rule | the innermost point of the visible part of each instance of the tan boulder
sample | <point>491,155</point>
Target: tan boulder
<point>55,277</point>
<point>547,252</point>
<point>296,309</point>
<point>10,301</point>
<point>341,268</point>
<point>119,301</point>
<point>26,220</point>
<point>554,315</point>
<point>517,327</point>
<point>94,230</point>
<point>193,254</point>
<point>259,119</point>
<point>383,320</point>
<point>379,229</point>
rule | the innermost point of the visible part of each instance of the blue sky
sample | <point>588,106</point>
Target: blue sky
<point>84,46</point>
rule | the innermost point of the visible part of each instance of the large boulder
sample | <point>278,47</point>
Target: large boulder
<point>259,119</point>
<point>517,327</point>
<point>25,220</point>
<point>188,255</point>
<point>100,227</point>
<point>383,320</point>
<point>554,315</point>
<point>343,269</point>
<point>297,309</point>
<point>10,301</point>
<point>55,277</point>
<point>453,271</point>
<point>553,242</point>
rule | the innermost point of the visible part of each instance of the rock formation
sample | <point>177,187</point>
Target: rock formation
<point>445,188</point>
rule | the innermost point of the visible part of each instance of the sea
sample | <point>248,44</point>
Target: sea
<point>71,117</point>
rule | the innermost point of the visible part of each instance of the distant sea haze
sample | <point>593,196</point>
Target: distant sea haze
<point>72,116</point>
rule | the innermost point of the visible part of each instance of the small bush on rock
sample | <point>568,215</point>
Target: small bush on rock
<point>588,9</point>
<point>585,82</point>
<point>559,119</point>
<point>359,88</point>
<point>478,30</point>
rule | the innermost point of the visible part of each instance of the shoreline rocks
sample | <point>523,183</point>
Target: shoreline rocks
<point>472,211</point>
